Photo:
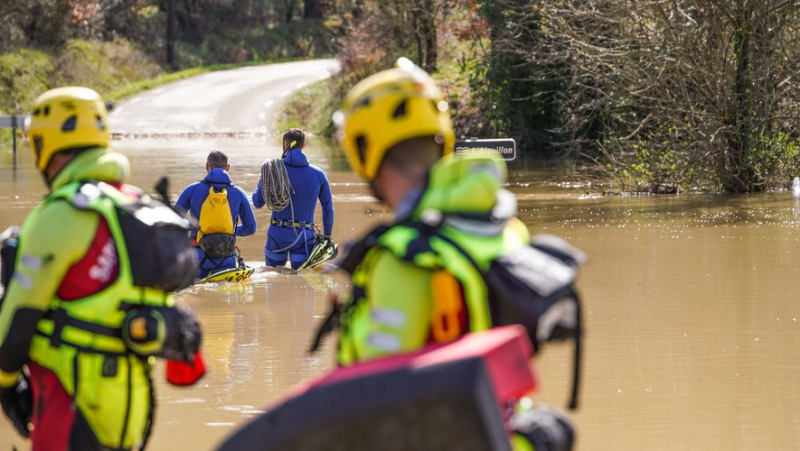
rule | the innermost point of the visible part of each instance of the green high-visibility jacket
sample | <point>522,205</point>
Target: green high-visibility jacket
<point>394,299</point>
<point>80,340</point>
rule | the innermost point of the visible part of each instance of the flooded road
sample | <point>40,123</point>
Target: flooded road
<point>691,307</point>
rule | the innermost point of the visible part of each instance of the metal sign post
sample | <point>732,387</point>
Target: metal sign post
<point>505,147</point>
<point>13,123</point>
<point>14,137</point>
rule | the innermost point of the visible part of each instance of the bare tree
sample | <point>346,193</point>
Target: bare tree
<point>691,93</point>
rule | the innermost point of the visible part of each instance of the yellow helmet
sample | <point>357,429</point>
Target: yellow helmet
<point>387,108</point>
<point>67,118</point>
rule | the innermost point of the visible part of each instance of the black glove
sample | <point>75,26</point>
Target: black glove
<point>169,332</point>
<point>17,402</point>
<point>184,335</point>
<point>545,428</point>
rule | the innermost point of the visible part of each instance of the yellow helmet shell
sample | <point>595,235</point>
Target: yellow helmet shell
<point>67,118</point>
<point>387,108</point>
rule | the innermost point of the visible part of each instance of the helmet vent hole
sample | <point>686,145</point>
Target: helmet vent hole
<point>47,110</point>
<point>400,111</point>
<point>361,145</point>
<point>100,124</point>
<point>36,112</point>
<point>70,124</point>
<point>364,102</point>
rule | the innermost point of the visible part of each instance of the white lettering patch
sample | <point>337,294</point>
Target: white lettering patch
<point>106,262</point>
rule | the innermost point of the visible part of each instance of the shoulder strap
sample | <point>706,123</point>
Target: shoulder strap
<point>359,249</point>
<point>80,195</point>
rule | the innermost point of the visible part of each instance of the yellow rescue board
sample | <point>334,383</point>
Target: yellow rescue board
<point>230,275</point>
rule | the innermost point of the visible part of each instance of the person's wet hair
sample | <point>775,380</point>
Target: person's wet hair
<point>295,135</point>
<point>217,159</point>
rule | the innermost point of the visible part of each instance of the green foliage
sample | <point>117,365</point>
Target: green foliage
<point>472,113</point>
<point>24,74</point>
<point>660,161</point>
<point>311,109</point>
<point>778,157</point>
<point>102,66</point>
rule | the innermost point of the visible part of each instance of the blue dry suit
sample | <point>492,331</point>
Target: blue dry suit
<point>309,183</point>
<point>192,198</point>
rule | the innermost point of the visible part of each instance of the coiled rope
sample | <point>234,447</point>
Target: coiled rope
<point>276,188</point>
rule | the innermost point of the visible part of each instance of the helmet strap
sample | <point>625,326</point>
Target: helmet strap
<point>376,192</point>
<point>71,154</point>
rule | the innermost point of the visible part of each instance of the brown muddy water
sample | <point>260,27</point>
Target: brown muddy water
<point>693,339</point>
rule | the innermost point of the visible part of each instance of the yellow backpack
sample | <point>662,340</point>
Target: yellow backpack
<point>216,236</point>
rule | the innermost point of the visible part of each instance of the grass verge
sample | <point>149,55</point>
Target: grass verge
<point>310,108</point>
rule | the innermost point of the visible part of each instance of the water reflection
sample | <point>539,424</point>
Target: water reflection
<point>691,311</point>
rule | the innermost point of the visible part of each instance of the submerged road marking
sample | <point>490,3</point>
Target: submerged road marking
<point>285,93</point>
<point>262,115</point>
<point>268,103</point>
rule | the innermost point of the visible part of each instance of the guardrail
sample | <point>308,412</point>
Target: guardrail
<point>13,122</point>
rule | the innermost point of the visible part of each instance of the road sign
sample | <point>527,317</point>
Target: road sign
<point>10,121</point>
<point>505,147</point>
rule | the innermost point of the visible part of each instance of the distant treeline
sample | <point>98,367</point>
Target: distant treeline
<point>658,95</point>
<point>178,33</point>
<point>109,44</point>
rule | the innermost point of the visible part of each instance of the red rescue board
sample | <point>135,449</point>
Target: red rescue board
<point>444,397</point>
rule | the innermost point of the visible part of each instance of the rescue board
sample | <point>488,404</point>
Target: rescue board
<point>230,275</point>
<point>443,397</point>
<point>323,250</point>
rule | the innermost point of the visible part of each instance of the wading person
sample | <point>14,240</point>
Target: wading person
<point>416,282</point>
<point>290,188</point>
<point>85,313</point>
<point>218,206</point>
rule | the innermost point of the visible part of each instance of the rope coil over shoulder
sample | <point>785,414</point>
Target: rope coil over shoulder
<point>276,188</point>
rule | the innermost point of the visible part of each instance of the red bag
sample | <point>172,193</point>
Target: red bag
<point>182,373</point>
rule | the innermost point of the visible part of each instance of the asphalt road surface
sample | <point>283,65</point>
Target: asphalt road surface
<point>236,102</point>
